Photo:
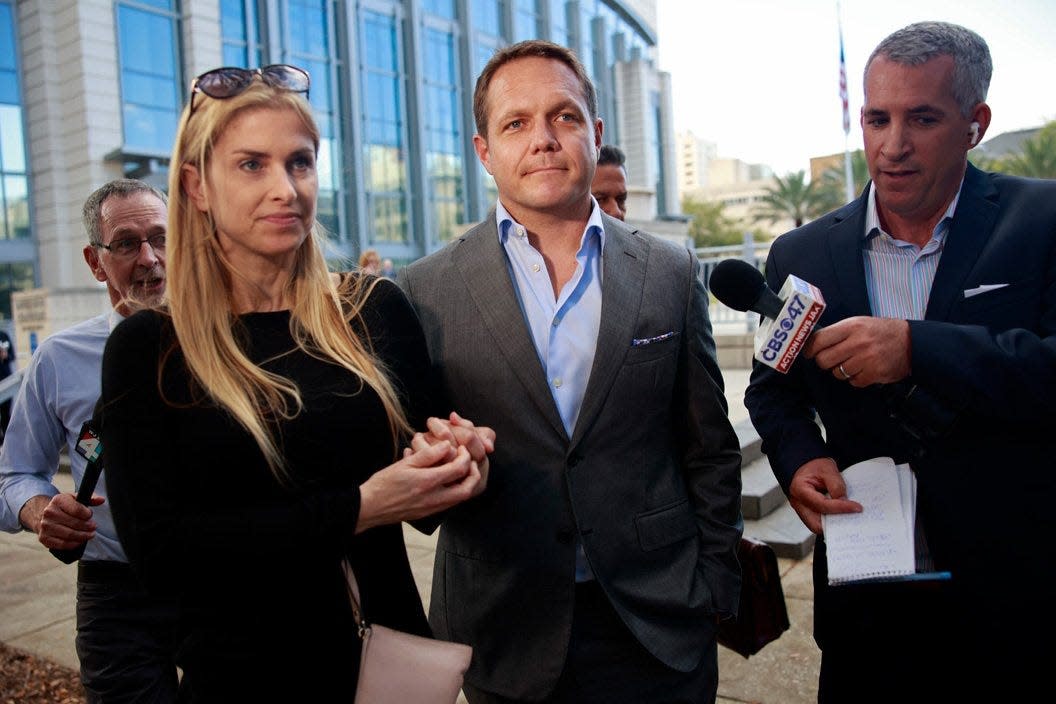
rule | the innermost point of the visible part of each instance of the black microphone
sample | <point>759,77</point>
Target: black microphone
<point>742,287</point>
<point>90,447</point>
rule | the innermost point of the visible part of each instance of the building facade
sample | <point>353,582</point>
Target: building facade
<point>694,160</point>
<point>91,90</point>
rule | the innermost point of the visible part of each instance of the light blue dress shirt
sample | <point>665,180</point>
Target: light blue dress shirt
<point>59,390</point>
<point>565,328</point>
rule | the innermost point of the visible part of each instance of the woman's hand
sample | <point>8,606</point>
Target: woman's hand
<point>431,479</point>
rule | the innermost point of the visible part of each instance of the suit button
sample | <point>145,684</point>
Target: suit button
<point>573,460</point>
<point>564,536</point>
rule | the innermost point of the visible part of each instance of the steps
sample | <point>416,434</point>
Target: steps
<point>767,513</point>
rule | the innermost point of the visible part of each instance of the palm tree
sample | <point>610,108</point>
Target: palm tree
<point>832,180</point>
<point>793,198</point>
<point>709,225</point>
<point>1037,158</point>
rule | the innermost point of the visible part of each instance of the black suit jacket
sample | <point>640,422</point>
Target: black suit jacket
<point>986,487</point>
<point>649,480</point>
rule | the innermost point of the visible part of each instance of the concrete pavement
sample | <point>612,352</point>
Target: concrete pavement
<point>37,595</point>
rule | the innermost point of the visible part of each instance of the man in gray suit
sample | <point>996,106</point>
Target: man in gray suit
<point>599,560</point>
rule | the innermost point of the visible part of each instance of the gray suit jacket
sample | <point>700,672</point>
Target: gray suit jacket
<point>649,480</point>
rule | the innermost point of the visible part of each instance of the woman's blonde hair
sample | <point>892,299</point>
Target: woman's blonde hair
<point>200,292</point>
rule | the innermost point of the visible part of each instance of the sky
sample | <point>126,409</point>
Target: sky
<point>760,78</point>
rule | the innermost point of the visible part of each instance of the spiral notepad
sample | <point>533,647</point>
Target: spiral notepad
<point>878,542</point>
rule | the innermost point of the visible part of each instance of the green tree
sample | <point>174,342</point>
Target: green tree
<point>832,181</point>
<point>1037,158</point>
<point>709,226</point>
<point>793,198</point>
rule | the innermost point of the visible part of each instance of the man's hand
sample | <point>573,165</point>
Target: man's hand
<point>818,488</point>
<point>59,521</point>
<point>457,432</point>
<point>863,350</point>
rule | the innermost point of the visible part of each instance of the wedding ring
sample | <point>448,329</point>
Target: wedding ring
<point>846,376</point>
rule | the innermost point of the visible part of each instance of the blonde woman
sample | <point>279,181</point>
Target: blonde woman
<point>252,426</point>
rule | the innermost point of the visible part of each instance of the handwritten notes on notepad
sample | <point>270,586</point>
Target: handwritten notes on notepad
<point>878,542</point>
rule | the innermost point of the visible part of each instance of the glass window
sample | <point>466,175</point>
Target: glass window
<point>8,59</point>
<point>384,127</point>
<point>482,53</point>
<point>150,79</point>
<point>487,17</point>
<point>656,152</point>
<point>14,185</point>
<point>12,147</point>
<point>240,33</point>
<point>443,134</point>
<point>585,40</point>
<point>440,8</point>
<point>309,26</point>
<point>487,32</point>
<point>559,23</point>
<point>525,20</point>
<point>16,207</point>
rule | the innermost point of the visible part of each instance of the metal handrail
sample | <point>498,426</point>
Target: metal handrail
<point>750,251</point>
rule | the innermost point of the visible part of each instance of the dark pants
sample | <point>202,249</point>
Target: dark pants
<point>606,664</point>
<point>125,639</point>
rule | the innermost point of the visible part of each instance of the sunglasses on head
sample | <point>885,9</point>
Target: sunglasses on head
<point>229,81</point>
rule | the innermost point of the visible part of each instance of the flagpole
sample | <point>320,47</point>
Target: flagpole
<point>848,173</point>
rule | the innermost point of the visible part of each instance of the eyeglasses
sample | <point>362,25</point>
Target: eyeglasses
<point>229,81</point>
<point>129,247</point>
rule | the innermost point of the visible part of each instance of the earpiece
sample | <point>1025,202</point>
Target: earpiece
<point>974,129</point>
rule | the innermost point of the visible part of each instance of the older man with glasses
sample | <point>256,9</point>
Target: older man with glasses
<point>124,638</point>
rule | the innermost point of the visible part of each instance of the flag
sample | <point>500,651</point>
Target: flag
<point>843,88</point>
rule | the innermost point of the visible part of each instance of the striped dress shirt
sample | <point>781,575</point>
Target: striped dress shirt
<point>898,277</point>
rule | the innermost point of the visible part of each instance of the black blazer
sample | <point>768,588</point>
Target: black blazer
<point>985,488</point>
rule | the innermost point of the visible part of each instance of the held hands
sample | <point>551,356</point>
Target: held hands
<point>443,467</point>
<point>457,431</point>
<point>863,350</point>
<point>60,522</point>
<point>818,488</point>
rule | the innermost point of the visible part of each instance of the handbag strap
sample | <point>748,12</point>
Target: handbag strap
<point>353,596</point>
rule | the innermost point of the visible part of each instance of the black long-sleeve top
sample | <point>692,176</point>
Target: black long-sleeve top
<point>256,565</point>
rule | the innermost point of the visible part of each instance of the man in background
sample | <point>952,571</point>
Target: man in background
<point>124,638</point>
<point>609,186</point>
<point>938,349</point>
<point>598,562</point>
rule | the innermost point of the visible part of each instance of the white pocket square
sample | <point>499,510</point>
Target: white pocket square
<point>983,288</point>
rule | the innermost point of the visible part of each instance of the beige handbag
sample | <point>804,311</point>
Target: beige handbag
<point>401,668</point>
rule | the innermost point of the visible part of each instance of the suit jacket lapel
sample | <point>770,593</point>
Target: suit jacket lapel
<point>845,248</point>
<point>973,221</point>
<point>481,261</point>
<point>622,287</point>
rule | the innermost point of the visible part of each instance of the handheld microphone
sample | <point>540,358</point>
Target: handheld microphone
<point>791,315</point>
<point>924,416</point>
<point>90,447</point>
